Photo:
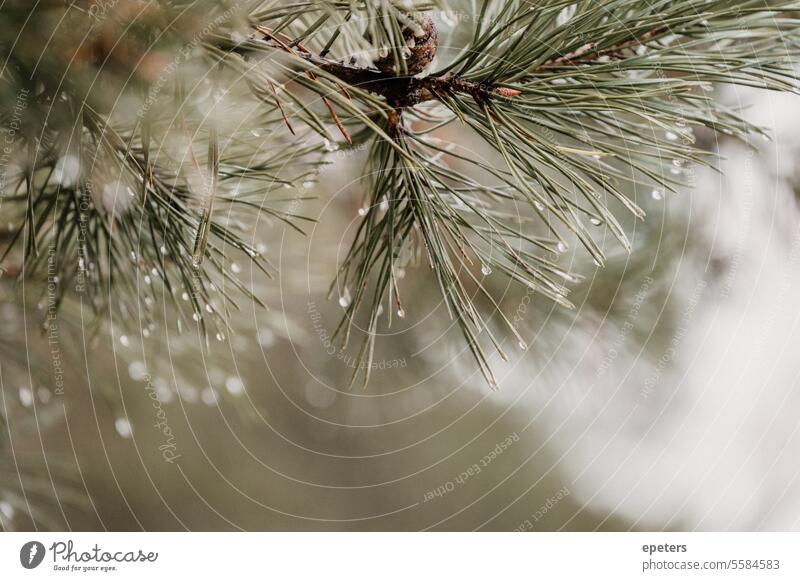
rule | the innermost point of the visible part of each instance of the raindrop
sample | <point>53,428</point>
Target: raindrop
<point>595,221</point>
<point>123,427</point>
<point>209,396</point>
<point>209,308</point>
<point>220,337</point>
<point>344,299</point>
<point>362,211</point>
<point>7,510</point>
<point>234,385</point>
<point>401,313</point>
<point>124,341</point>
<point>255,133</point>
<point>486,270</point>
<point>137,370</point>
<point>671,135</point>
<point>185,296</point>
<point>197,316</point>
<point>235,268</point>
<point>147,279</point>
<point>25,396</point>
<point>266,337</point>
<point>562,247</point>
<point>657,195</point>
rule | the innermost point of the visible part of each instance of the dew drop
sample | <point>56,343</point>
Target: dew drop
<point>123,339</point>
<point>25,397</point>
<point>562,247</point>
<point>362,211</point>
<point>208,396</point>
<point>595,221</point>
<point>486,270</point>
<point>657,195</point>
<point>123,427</point>
<point>401,313</point>
<point>266,337</point>
<point>235,268</point>
<point>197,316</point>
<point>234,385</point>
<point>671,135</point>
<point>344,299</point>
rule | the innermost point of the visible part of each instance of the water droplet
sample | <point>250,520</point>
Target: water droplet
<point>562,247</point>
<point>234,385</point>
<point>197,316</point>
<point>657,195</point>
<point>401,313</point>
<point>145,333</point>
<point>235,268</point>
<point>486,270</point>
<point>671,135</point>
<point>255,133</point>
<point>209,308</point>
<point>220,337</point>
<point>308,184</point>
<point>266,337</point>
<point>379,310</point>
<point>123,427</point>
<point>185,296</point>
<point>209,396</point>
<point>595,221</point>
<point>7,510</point>
<point>362,211</point>
<point>124,341</point>
<point>522,345</point>
<point>147,279</point>
<point>345,298</point>
<point>539,206</point>
<point>137,370</point>
<point>25,397</point>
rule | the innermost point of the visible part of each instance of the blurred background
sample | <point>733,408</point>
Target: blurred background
<point>667,400</point>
